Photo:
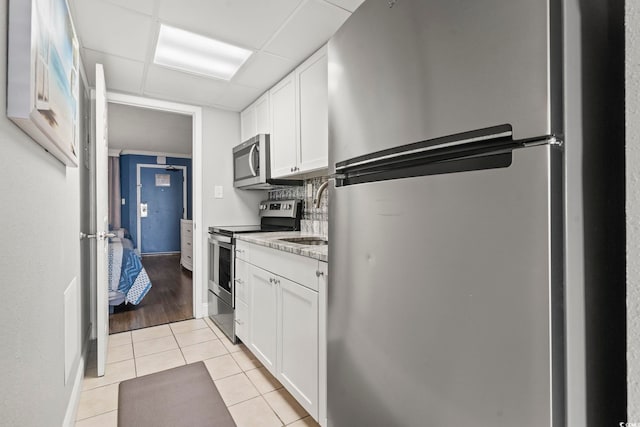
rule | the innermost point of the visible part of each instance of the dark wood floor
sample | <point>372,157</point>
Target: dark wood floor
<point>169,299</point>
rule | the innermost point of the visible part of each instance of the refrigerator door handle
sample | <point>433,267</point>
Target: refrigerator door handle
<point>489,148</point>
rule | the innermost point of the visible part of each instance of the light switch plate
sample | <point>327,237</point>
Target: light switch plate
<point>123,201</point>
<point>309,190</point>
<point>217,191</point>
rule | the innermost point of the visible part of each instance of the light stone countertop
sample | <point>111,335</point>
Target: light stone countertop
<point>270,240</point>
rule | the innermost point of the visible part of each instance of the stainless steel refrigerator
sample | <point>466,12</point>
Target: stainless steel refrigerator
<point>446,289</point>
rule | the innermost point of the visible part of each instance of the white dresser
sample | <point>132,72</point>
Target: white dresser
<point>186,244</point>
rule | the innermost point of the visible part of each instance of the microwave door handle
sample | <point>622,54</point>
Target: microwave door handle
<point>253,169</point>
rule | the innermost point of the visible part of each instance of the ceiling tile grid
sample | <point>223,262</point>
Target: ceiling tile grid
<point>123,75</point>
<point>121,34</point>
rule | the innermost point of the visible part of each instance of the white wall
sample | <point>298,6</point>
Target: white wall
<point>220,133</point>
<point>633,206</point>
<point>39,257</point>
<point>144,129</point>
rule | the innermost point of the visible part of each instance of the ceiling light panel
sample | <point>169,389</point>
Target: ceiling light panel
<point>186,51</point>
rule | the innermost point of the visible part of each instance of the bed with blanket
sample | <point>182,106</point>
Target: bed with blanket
<point>128,280</point>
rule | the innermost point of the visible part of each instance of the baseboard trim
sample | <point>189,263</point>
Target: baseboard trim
<point>74,399</point>
<point>204,311</point>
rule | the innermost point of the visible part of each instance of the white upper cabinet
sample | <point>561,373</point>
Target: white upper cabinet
<point>313,123</point>
<point>256,118</point>
<point>284,141</point>
<point>263,114</point>
<point>295,113</point>
<point>299,109</point>
<point>248,123</point>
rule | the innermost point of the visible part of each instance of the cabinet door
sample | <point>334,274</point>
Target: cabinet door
<point>298,343</point>
<point>323,277</point>
<point>262,316</point>
<point>263,114</point>
<point>312,82</point>
<point>283,127</point>
<point>248,123</point>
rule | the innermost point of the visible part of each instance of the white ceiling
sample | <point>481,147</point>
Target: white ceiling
<point>122,34</point>
<point>142,129</point>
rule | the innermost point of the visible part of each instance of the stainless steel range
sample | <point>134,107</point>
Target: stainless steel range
<point>282,215</point>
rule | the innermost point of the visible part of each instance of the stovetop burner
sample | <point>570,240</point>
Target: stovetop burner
<point>281,215</point>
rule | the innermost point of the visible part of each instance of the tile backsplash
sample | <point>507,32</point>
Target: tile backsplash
<point>314,220</point>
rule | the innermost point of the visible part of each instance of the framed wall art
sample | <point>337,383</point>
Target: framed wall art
<point>42,75</point>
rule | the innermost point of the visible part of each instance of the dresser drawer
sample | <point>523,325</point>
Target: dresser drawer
<point>187,247</point>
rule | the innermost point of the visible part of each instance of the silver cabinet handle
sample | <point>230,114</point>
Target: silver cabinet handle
<point>239,322</point>
<point>319,273</point>
<point>270,279</point>
<point>240,281</point>
<point>239,251</point>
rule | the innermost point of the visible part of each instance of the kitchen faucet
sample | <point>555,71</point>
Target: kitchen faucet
<point>319,193</point>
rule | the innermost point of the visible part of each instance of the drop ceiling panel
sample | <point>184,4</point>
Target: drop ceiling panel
<point>134,128</point>
<point>111,29</point>
<point>235,97</point>
<point>308,29</point>
<point>185,87</point>
<point>142,6</point>
<point>246,23</point>
<point>350,5</point>
<point>122,34</point>
<point>122,75</point>
<point>263,70</point>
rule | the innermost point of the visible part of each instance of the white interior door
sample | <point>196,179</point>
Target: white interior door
<point>102,222</point>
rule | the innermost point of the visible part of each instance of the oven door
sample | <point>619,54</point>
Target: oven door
<point>221,269</point>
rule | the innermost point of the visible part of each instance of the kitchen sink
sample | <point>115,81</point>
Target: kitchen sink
<point>315,241</point>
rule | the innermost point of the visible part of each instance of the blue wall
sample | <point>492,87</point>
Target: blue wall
<point>128,164</point>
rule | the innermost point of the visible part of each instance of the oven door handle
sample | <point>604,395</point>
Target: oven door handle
<point>216,239</point>
<point>251,165</point>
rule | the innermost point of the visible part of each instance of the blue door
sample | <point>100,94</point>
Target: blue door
<point>162,192</point>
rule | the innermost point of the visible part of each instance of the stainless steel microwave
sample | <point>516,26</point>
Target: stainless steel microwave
<point>252,165</point>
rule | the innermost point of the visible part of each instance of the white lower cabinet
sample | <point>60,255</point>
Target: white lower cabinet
<point>263,316</point>
<point>284,321</point>
<point>297,365</point>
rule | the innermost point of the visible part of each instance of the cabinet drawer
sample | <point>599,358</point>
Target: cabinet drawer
<point>242,320</point>
<point>297,268</point>
<point>243,250</point>
<point>186,225</point>
<point>241,281</point>
<point>187,248</point>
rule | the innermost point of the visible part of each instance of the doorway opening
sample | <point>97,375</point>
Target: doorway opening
<point>154,142</point>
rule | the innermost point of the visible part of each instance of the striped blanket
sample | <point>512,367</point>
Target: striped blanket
<point>128,280</point>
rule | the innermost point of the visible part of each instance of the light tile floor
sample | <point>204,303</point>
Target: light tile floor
<point>254,397</point>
